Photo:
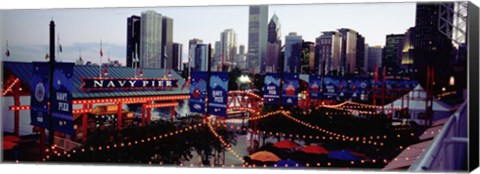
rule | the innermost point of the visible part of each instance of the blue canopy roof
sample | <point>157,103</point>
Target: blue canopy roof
<point>23,70</point>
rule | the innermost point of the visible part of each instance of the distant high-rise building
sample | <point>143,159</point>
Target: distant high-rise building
<point>328,49</point>
<point>177,56</point>
<point>240,59</point>
<point>360,58</point>
<point>151,39</point>
<point>133,41</point>
<point>167,41</point>
<point>374,58</point>
<point>191,50</point>
<point>430,46</point>
<point>274,30</point>
<point>365,62</point>
<point>293,53</point>
<point>308,49</point>
<point>257,37</point>
<point>194,41</point>
<point>217,55</point>
<point>406,63</point>
<point>228,39</point>
<point>274,45</point>
<point>349,51</point>
<point>201,57</point>
<point>392,52</point>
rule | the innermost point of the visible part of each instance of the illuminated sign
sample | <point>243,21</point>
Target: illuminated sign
<point>128,83</point>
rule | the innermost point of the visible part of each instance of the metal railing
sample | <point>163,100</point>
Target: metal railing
<point>65,144</point>
<point>448,150</point>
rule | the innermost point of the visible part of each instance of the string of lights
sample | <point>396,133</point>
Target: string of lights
<point>337,135</point>
<point>9,88</point>
<point>224,143</point>
<point>119,145</point>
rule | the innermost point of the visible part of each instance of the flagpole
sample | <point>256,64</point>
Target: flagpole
<point>52,61</point>
<point>101,56</point>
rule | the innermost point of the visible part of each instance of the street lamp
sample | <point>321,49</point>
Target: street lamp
<point>243,79</point>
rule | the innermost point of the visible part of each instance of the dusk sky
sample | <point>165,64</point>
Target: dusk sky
<point>82,29</point>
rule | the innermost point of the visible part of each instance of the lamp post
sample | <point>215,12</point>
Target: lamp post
<point>243,79</point>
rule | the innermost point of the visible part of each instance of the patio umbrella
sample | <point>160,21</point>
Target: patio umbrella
<point>264,156</point>
<point>286,144</point>
<point>358,154</point>
<point>7,145</point>
<point>288,163</point>
<point>314,149</point>
<point>343,155</point>
<point>11,138</point>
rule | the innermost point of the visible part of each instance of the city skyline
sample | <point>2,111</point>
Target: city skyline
<point>32,45</point>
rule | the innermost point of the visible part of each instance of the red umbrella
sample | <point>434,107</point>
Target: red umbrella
<point>7,145</point>
<point>285,144</point>
<point>314,149</point>
<point>11,138</point>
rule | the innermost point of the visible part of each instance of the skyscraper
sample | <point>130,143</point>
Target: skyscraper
<point>392,52</point>
<point>274,45</point>
<point>406,63</point>
<point>201,57</point>
<point>257,37</point>
<point>167,41</point>
<point>307,55</point>
<point>177,56</point>
<point>228,39</point>
<point>151,39</point>
<point>374,58</point>
<point>360,58</point>
<point>241,58</point>
<point>430,46</point>
<point>328,48</point>
<point>133,40</point>
<point>191,50</point>
<point>349,51</point>
<point>293,53</point>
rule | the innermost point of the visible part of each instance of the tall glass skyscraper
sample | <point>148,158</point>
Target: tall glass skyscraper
<point>293,53</point>
<point>274,45</point>
<point>328,49</point>
<point>133,41</point>
<point>151,39</point>
<point>228,39</point>
<point>257,37</point>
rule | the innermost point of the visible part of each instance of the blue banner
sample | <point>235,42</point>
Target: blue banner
<point>389,87</point>
<point>343,91</point>
<point>271,89</point>
<point>198,92</point>
<point>290,89</point>
<point>217,94</point>
<point>359,88</point>
<point>40,94</point>
<point>315,86</point>
<point>62,117</point>
<point>330,86</point>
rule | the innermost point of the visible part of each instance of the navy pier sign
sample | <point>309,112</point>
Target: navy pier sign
<point>128,83</point>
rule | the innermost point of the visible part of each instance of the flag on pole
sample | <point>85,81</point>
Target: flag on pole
<point>47,56</point>
<point>60,48</point>
<point>7,53</point>
<point>101,52</point>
